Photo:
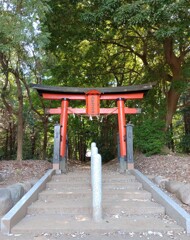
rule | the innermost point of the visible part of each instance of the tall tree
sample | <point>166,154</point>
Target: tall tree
<point>156,28</point>
<point>114,43</point>
<point>21,35</point>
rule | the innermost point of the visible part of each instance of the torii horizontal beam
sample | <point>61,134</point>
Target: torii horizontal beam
<point>102,110</point>
<point>60,96</point>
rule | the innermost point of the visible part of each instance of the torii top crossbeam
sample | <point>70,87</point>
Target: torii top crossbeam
<point>92,96</point>
<point>76,92</point>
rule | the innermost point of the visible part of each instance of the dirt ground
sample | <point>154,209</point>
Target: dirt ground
<point>171,166</point>
<point>13,172</point>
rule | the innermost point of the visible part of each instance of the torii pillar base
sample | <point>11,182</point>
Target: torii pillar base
<point>130,166</point>
<point>63,164</point>
<point>122,164</point>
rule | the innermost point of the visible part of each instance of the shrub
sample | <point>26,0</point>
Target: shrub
<point>185,143</point>
<point>149,137</point>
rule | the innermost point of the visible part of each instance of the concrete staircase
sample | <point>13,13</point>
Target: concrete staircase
<point>65,206</point>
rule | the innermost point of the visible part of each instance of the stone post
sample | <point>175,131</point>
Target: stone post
<point>56,149</point>
<point>130,159</point>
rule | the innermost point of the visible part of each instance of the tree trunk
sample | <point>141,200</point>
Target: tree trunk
<point>9,141</point>
<point>6,154</point>
<point>172,100</point>
<point>11,138</point>
<point>173,94</point>
<point>71,147</point>
<point>186,115</point>
<point>33,142</point>
<point>187,122</point>
<point>45,124</point>
<point>171,144</point>
<point>20,123</point>
<point>114,145</point>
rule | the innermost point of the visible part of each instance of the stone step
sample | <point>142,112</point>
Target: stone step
<point>88,201</point>
<point>84,207</point>
<point>50,194</point>
<point>88,181</point>
<point>82,178</point>
<point>60,223</point>
<point>88,192</point>
<point>115,186</point>
<point>66,206</point>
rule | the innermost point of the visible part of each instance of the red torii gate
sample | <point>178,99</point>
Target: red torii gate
<point>93,96</point>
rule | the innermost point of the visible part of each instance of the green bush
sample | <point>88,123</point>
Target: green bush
<point>149,137</point>
<point>185,143</point>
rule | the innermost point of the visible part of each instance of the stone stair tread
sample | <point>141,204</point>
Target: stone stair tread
<point>88,186</point>
<point>88,178</point>
<point>106,192</point>
<point>66,206</point>
<point>57,222</point>
<point>86,183</point>
<point>134,194</point>
<point>88,201</point>
<point>106,174</point>
<point>127,207</point>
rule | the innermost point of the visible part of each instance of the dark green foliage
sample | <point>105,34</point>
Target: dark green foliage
<point>82,132</point>
<point>185,143</point>
<point>96,43</point>
<point>149,136</point>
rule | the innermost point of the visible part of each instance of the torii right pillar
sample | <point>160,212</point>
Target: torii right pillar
<point>122,133</point>
<point>126,155</point>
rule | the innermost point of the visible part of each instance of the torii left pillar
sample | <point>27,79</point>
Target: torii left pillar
<point>63,134</point>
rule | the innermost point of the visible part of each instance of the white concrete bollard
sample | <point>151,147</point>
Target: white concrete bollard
<point>93,144</point>
<point>94,152</point>
<point>97,188</point>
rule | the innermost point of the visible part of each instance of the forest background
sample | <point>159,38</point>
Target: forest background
<point>98,43</point>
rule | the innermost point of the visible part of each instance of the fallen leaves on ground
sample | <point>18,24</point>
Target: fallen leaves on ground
<point>171,166</point>
<point>13,171</point>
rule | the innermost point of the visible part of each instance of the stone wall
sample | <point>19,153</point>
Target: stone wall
<point>10,195</point>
